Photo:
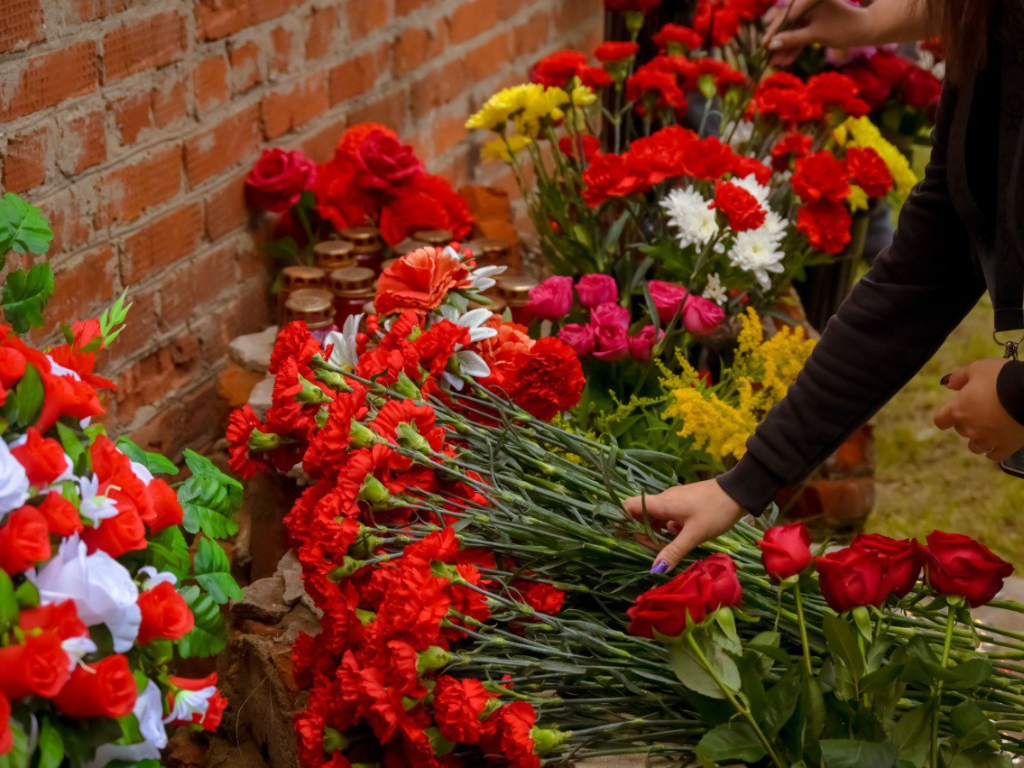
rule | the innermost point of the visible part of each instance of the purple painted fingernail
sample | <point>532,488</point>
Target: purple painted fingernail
<point>659,567</point>
<point>945,379</point>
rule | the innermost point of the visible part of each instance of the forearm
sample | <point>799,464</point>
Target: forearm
<point>899,21</point>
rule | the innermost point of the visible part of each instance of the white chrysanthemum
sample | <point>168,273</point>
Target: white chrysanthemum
<point>689,215</point>
<point>742,133</point>
<point>715,291</point>
<point>750,184</point>
<point>757,251</point>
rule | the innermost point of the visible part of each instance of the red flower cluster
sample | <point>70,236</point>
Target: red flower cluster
<point>886,76</point>
<point>375,178</point>
<point>662,83</point>
<point>688,599</point>
<point>718,21</point>
<point>790,100</point>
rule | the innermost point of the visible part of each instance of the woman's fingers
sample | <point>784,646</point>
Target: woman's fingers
<point>684,543</point>
<point>657,507</point>
<point>977,448</point>
<point>794,11</point>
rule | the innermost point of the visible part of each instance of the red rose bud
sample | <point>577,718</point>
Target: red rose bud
<point>196,702</point>
<point>786,551</point>
<point>902,561</point>
<point>167,509</point>
<point>42,457</point>
<point>119,534</point>
<point>6,734</point>
<point>278,178</point>
<point>165,614</point>
<point>959,566</point>
<point>61,515</point>
<point>24,540</point>
<point>37,667</point>
<point>851,578</point>
<point>104,689</point>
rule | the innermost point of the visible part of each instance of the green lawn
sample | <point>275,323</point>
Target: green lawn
<point>928,479</point>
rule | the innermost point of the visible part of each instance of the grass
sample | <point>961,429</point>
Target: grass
<point>926,478</point>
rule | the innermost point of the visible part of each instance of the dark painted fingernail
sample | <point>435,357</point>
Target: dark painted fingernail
<point>945,379</point>
<point>659,567</point>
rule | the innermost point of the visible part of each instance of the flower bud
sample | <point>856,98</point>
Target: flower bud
<point>361,435</point>
<point>434,657</point>
<point>409,437</point>
<point>373,491</point>
<point>334,741</point>
<point>260,442</point>
<point>311,394</point>
<point>545,740</point>
<point>407,388</point>
<point>346,569</point>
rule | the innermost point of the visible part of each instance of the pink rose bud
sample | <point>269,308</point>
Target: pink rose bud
<point>580,337</point>
<point>642,344</point>
<point>667,297</point>
<point>552,299</point>
<point>597,289</point>
<point>701,316</point>
<point>612,343</point>
<point>611,315</point>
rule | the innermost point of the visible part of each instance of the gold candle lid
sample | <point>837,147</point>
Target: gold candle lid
<point>439,238</point>
<point>313,306</point>
<point>352,281</point>
<point>515,289</point>
<point>295,278</point>
<point>491,249</point>
<point>365,239</point>
<point>407,246</point>
<point>334,254</point>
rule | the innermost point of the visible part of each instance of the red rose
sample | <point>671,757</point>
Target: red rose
<point>385,163</point>
<point>889,66</point>
<point>339,199</point>
<point>508,732</point>
<point>902,561</point>
<point>871,88</point>
<point>820,176</point>
<point>165,614</point>
<point>60,619</point>
<point>785,551</point>
<point>959,566</point>
<point>850,578</point>
<point>426,202</point>
<point>676,40</point>
<point>61,515</point>
<point>552,299</point>
<point>739,206</point>
<point>6,733</point>
<point>920,89</point>
<point>548,379</point>
<point>104,689</point>
<point>42,457</point>
<point>832,90</point>
<point>556,69</point>
<point>37,667</point>
<point>24,540</point>
<point>614,52</point>
<point>116,535</point>
<point>691,596</point>
<point>167,509</point>
<point>825,224</point>
<point>611,176</point>
<point>66,396</point>
<point>869,171</point>
<point>667,298</point>
<point>419,282</point>
<point>278,179</point>
<point>458,705</point>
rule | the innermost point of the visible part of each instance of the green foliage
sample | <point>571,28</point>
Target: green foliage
<point>8,602</point>
<point>154,462</point>
<point>213,572</point>
<point>23,228</point>
<point>210,634</point>
<point>51,746</point>
<point>26,400</point>
<point>25,295</point>
<point>168,551</point>
<point>209,498</point>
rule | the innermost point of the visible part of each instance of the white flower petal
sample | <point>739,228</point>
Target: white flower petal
<point>475,318</point>
<point>479,334</point>
<point>491,271</point>
<point>471,364</point>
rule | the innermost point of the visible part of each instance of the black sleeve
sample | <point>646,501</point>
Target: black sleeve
<point>1010,388</point>
<point>895,319</point>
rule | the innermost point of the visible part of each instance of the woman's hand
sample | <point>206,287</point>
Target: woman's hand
<point>976,413</point>
<point>692,513</point>
<point>832,23</point>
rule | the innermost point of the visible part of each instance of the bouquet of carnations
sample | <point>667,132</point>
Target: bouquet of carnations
<point>98,589</point>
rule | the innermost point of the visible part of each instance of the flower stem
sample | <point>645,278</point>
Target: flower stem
<point>802,621</point>
<point>947,642</point>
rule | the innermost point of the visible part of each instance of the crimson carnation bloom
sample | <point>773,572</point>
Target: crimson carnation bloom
<point>785,551</point>
<point>294,340</point>
<point>920,89</point>
<point>546,380</point>
<point>540,596</point>
<point>419,282</point>
<point>36,667</point>
<point>850,578</point>
<point>739,206</point>
<point>902,561</point>
<point>832,90</point>
<point>611,176</point>
<point>595,78</point>
<point>784,96</point>
<point>825,224</point>
<point>708,159</point>
<point>959,566</point>
<point>792,145</point>
<point>725,77</point>
<point>638,6</point>
<point>426,202</point>
<point>751,166</point>
<point>869,171</point>
<point>871,87</point>
<point>558,68</point>
<point>437,345</point>
<point>508,732</point>
<point>820,176</point>
<point>676,39</point>
<point>165,614</point>
<point>591,146</point>
<point>241,425</point>
<point>652,85</point>
<point>24,540</point>
<point>278,179</point>
<point>614,52</point>
<point>662,155</point>
<point>458,705</point>
<point>717,21</point>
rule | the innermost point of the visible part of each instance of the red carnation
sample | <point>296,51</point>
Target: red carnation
<point>436,346</point>
<point>871,87</point>
<point>676,39</point>
<point>547,380</point>
<point>959,566</point>
<point>556,69</point>
<point>832,90</point>
<point>241,425</point>
<point>717,21</point>
<point>751,166</point>
<point>595,78</point>
<point>709,159</point>
<point>825,224</point>
<point>785,551</point>
<point>869,171</point>
<point>570,146</point>
<point>652,85</point>
<point>24,540</point>
<point>920,89</point>
<point>784,96</point>
<point>419,281</point>
<point>508,732</point>
<point>739,206</point>
<point>615,52</point>
<point>165,614</point>
<point>36,667</point>
<point>458,705</point>
<point>820,176</point>
<point>792,145</point>
<point>540,596</point>
<point>610,176</point>
<point>662,155</point>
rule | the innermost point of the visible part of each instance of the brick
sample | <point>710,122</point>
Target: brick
<point>405,7</point>
<point>162,242</point>
<point>389,109</point>
<point>414,47</point>
<point>355,76</point>
<point>49,79</point>
<point>22,25</point>
<point>164,370</point>
<point>138,334</point>
<point>210,82</point>
<point>96,268</point>
<point>194,283</point>
<point>323,23</point>
<point>509,8</point>
<point>83,143</point>
<point>225,209</point>
<point>471,19</point>
<point>27,159</point>
<point>284,111</point>
<point>282,40</point>
<point>153,42</point>
<point>132,115</point>
<point>235,384</point>
<point>225,144</point>
<point>170,99</point>
<point>532,35</point>
<point>320,145</point>
<point>437,87</point>
<point>245,66</point>
<point>69,217</point>
<point>129,190</point>
<point>448,132</point>
<point>219,18</point>
<point>364,18</point>
<point>489,58</point>
<point>183,419</point>
<point>571,14</point>
<point>90,10</point>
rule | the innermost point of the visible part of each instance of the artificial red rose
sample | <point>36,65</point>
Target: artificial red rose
<point>832,90</point>
<point>820,176</point>
<point>615,52</point>
<point>125,532</point>
<point>850,578</point>
<point>701,316</point>
<point>579,337</point>
<point>61,515</point>
<point>625,6</point>
<point>548,379</point>
<point>591,146</point>
<point>64,395</point>
<point>869,171</point>
<point>216,703</point>
<point>60,619</point>
<point>540,596</point>
<point>611,176</point>
<point>825,224</point>
<point>24,540</point>
<point>708,159</point>
<point>595,289</point>
<point>740,207</point>
<point>676,40</point>
<point>278,179</point>
<point>641,344</point>
<point>426,202</point>
<point>385,163</point>
<point>458,705</point>
<point>42,457</point>
<point>339,199</point>
<point>36,667</point>
<point>418,282</point>
<point>166,508</point>
<point>902,560</point>
<point>104,689</point>
<point>508,732</point>
<point>552,299</point>
<point>165,614</point>
<point>920,89</point>
<point>793,145</point>
<point>6,732</point>
<point>785,551</point>
<point>556,69</point>
<point>668,298</point>
<point>959,566</point>
<point>660,156</point>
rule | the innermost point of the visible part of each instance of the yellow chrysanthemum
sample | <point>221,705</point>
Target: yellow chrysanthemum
<point>505,147</point>
<point>526,104</point>
<point>857,199</point>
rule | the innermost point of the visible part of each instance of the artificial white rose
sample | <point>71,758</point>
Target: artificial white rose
<point>13,482</point>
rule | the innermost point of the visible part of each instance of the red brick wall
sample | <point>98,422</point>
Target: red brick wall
<point>132,124</point>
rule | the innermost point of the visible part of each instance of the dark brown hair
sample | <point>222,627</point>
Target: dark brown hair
<point>965,33</point>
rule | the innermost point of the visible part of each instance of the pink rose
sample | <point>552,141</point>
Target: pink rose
<point>667,297</point>
<point>552,299</point>
<point>278,179</point>
<point>642,344</point>
<point>597,289</point>
<point>580,337</point>
<point>610,315</point>
<point>611,343</point>
<point>701,316</point>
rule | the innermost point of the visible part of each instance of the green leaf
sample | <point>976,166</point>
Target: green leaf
<point>691,671</point>
<point>51,746</point>
<point>210,634</point>
<point>168,551</point>
<point>24,404</point>
<point>842,643</point>
<point>730,741</point>
<point>209,499</point>
<point>25,295</point>
<point>971,726</point>
<point>912,734</point>
<point>970,674</point>
<point>213,572</point>
<point>27,595</point>
<point>979,757</point>
<point>23,228</point>
<point>781,702</point>
<point>8,602</point>
<point>17,756</point>
<point>848,753</point>
<point>154,462</point>
<point>73,446</point>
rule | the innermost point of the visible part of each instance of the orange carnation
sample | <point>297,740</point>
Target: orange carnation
<point>419,282</point>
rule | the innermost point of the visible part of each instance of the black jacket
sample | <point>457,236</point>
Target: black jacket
<point>959,232</point>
